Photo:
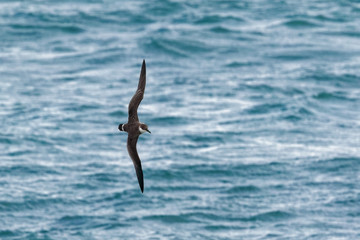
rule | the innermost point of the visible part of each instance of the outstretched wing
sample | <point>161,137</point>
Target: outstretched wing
<point>138,96</point>
<point>131,147</point>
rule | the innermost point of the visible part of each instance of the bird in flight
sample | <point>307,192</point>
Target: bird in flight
<point>134,127</point>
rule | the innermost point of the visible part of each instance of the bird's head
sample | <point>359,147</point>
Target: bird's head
<point>143,128</point>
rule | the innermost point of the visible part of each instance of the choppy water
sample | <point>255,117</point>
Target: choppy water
<point>253,107</point>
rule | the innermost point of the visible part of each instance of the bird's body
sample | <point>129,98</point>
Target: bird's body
<point>134,127</point>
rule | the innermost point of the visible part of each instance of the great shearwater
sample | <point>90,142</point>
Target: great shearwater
<point>134,127</point>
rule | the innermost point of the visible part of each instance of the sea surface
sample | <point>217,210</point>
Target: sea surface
<point>254,109</point>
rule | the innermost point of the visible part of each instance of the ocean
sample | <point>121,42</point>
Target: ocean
<point>254,109</point>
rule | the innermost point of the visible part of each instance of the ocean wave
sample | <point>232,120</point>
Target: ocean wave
<point>253,108</point>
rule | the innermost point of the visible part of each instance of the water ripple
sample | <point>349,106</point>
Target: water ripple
<point>253,108</point>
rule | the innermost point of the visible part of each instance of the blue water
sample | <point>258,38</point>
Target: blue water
<point>253,108</point>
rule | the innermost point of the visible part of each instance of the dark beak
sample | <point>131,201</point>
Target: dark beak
<point>148,131</point>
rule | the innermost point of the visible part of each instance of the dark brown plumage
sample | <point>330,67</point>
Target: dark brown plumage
<point>134,128</point>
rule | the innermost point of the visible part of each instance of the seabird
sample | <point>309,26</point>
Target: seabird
<point>134,127</point>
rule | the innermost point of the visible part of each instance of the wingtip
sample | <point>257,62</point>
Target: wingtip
<point>140,177</point>
<point>143,69</point>
<point>142,78</point>
<point>141,186</point>
<point>143,64</point>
